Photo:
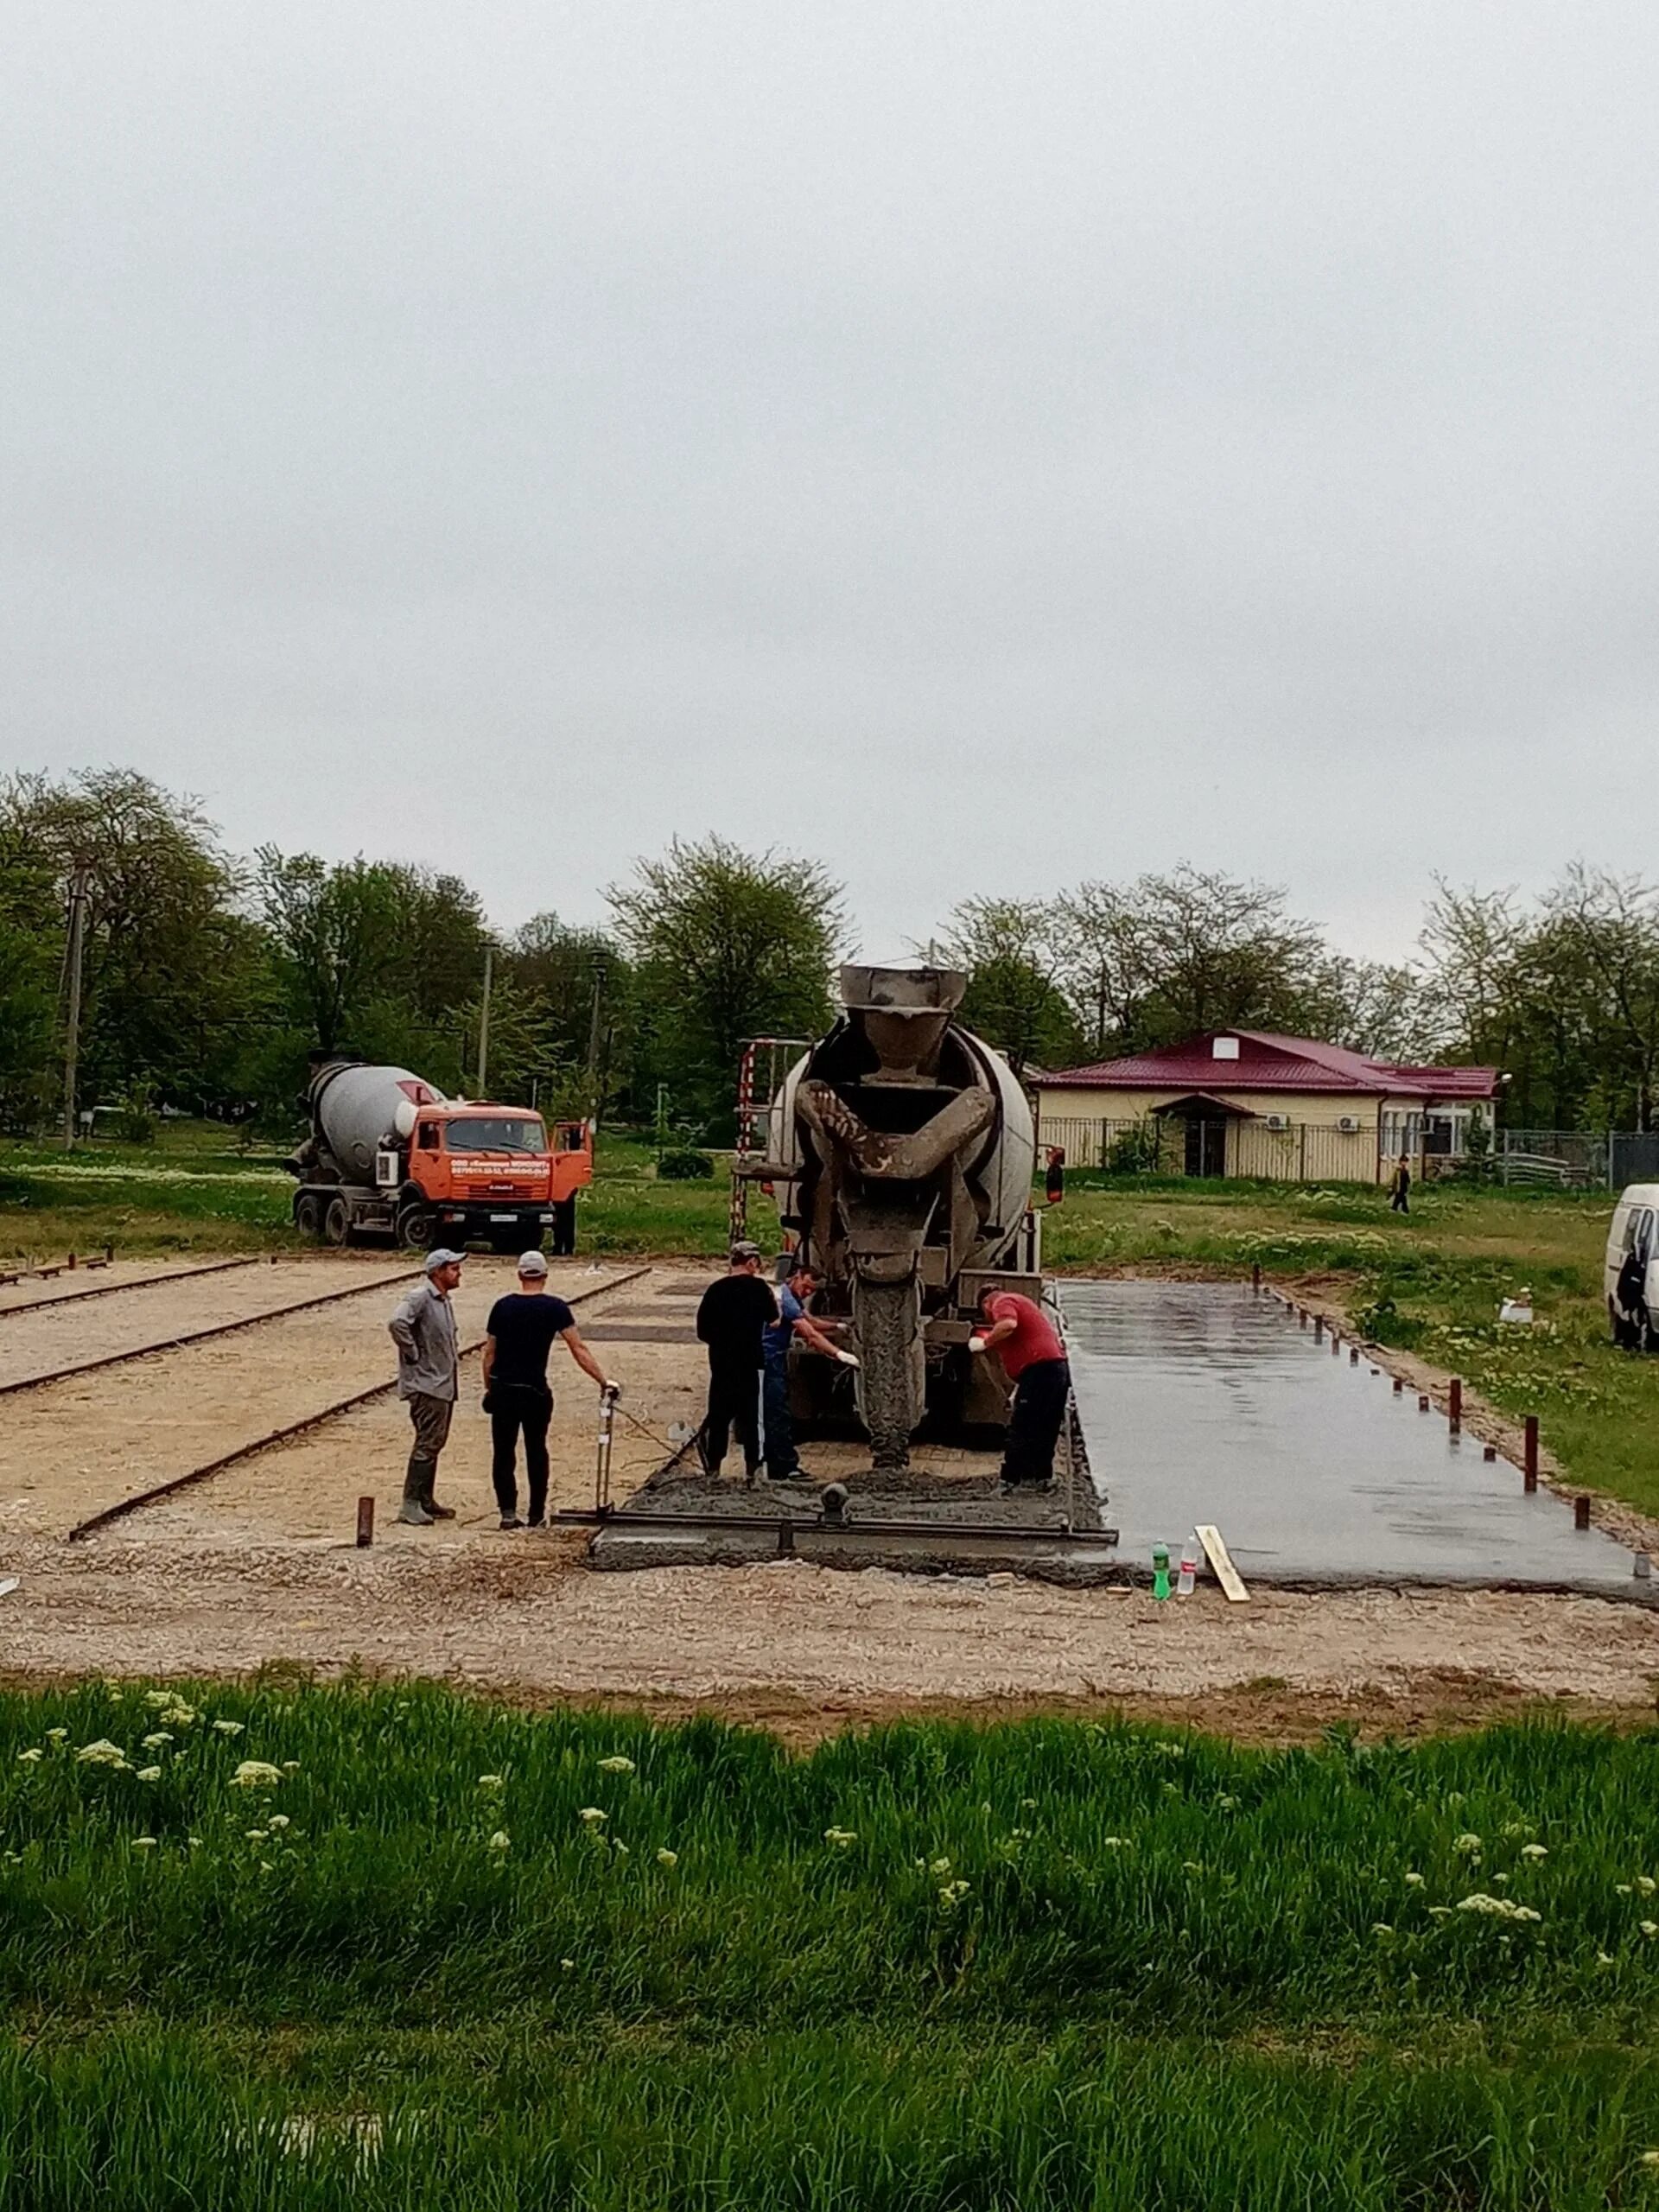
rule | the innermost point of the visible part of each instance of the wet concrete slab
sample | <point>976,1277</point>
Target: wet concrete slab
<point>1206,1402</point>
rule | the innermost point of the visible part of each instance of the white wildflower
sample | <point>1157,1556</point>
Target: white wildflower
<point>1381,1927</point>
<point>228,1727</point>
<point>1604,1958</point>
<point>143,1843</point>
<point>181,1716</point>
<point>265,1866</point>
<point>102,1753</point>
<point>1650,1927</point>
<point>1622,1889</point>
<point>32,1755</point>
<point>257,1774</point>
<point>158,1697</point>
<point>841,1838</point>
<point>1645,1882</point>
<point>568,1964</point>
<point>57,1735</point>
<point>1649,2158</point>
<point>150,1774</point>
<point>1413,1881</point>
<point>1492,1908</point>
<point>940,1866</point>
<point>593,1816</point>
<point>666,1857</point>
<point>500,1840</point>
<point>952,1893</point>
<point>1534,1851</point>
<point>616,1765</point>
<point>1108,1842</point>
<point>1469,1845</point>
<point>278,1820</point>
<point>254,1835</point>
<point>194,1842</point>
<point>491,1781</point>
<point>156,1739</point>
<point>290,1766</point>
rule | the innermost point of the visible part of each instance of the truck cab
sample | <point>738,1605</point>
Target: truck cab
<point>494,1173</point>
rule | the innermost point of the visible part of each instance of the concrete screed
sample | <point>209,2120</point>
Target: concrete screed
<point>1207,1402</point>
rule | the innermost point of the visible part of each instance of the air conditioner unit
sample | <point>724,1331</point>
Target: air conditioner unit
<point>1349,1124</point>
<point>1280,1122</point>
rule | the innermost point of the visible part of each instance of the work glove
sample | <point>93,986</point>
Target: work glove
<point>975,1343</point>
<point>848,1358</point>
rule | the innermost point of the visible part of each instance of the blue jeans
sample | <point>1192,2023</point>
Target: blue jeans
<point>779,1439</point>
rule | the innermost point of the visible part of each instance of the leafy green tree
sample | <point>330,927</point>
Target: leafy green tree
<point>1013,1001</point>
<point>580,984</point>
<point>725,945</point>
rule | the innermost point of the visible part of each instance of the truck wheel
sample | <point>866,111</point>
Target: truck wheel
<point>564,1229</point>
<point>307,1216</point>
<point>337,1222</point>
<point>415,1227</point>
<point>893,1370</point>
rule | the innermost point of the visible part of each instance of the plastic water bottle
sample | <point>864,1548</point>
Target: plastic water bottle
<point>1189,1572</point>
<point>1160,1571</point>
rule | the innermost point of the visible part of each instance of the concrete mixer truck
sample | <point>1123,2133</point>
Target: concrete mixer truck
<point>900,1149</point>
<point>390,1156</point>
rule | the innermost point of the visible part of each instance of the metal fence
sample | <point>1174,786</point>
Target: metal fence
<point>1576,1159</point>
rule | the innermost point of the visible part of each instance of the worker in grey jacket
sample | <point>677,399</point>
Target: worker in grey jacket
<point>424,1330</point>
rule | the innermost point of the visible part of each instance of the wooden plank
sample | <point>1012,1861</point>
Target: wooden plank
<point>1221,1564</point>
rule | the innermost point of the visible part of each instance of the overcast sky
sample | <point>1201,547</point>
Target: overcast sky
<point>980,446</point>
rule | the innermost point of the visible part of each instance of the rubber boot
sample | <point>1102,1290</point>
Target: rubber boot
<point>416,1483</point>
<point>434,1510</point>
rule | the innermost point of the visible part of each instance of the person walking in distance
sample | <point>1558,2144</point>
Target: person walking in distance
<point>792,1320</point>
<point>522,1329</point>
<point>1033,1358</point>
<point>1054,1181</point>
<point>733,1319</point>
<point>1400,1189</point>
<point>424,1330</point>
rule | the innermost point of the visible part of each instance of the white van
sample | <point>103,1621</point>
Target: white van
<point>1635,1232</point>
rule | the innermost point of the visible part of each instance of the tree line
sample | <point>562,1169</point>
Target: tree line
<point>208,979</point>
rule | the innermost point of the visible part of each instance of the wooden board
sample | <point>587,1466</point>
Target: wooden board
<point>1222,1564</point>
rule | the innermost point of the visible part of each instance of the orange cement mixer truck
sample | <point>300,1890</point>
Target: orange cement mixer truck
<point>389,1156</point>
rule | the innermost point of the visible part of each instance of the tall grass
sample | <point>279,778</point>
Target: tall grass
<point>441,1954</point>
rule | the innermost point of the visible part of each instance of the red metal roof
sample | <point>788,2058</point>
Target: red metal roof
<point>1269,1062</point>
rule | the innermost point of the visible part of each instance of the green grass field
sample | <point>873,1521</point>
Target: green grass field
<point>438,1953</point>
<point>1431,1283</point>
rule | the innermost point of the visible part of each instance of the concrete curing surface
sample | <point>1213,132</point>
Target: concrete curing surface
<point>1204,1402</point>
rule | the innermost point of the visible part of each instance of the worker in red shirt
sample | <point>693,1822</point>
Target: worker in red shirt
<point>1032,1355</point>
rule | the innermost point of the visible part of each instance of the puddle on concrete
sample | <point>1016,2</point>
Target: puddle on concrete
<point>1201,1402</point>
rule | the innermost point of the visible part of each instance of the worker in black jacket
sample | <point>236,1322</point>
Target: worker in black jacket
<point>731,1320</point>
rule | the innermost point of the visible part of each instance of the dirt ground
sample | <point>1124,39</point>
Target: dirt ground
<point>255,1565</point>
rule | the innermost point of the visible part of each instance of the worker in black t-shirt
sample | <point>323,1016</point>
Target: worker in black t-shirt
<point>521,1327</point>
<point>731,1320</point>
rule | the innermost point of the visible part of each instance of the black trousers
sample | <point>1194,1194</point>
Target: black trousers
<point>733,1403</point>
<point>1040,1397</point>
<point>513,1409</point>
<point>1399,1202</point>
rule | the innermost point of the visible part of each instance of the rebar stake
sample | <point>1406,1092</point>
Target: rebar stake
<point>364,1524</point>
<point>1529,1463</point>
<point>1581,1511</point>
<point>1454,1405</point>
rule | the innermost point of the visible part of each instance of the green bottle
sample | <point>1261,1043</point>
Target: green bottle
<point>1161,1570</point>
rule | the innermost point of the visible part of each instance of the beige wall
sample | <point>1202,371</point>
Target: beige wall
<point>1324,1154</point>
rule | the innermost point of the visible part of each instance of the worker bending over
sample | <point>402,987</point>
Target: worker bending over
<point>1033,1358</point>
<point>732,1319</point>
<point>523,1327</point>
<point>792,1320</point>
<point>424,1330</point>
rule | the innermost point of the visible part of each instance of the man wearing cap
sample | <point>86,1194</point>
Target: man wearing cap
<point>731,1320</point>
<point>521,1327</point>
<point>424,1330</point>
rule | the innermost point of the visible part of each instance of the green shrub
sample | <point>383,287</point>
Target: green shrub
<point>684,1167</point>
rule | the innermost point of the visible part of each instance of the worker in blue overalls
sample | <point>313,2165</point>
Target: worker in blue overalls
<point>779,1440</point>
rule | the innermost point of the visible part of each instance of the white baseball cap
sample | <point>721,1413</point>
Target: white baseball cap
<point>532,1263</point>
<point>441,1256</point>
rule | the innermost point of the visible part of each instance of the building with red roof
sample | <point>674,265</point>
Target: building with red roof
<point>1249,1102</point>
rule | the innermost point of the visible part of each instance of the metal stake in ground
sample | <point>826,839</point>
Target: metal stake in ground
<point>1529,1463</point>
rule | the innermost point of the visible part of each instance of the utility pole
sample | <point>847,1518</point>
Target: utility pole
<point>73,961</point>
<point>593,1045</point>
<point>484,1024</point>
